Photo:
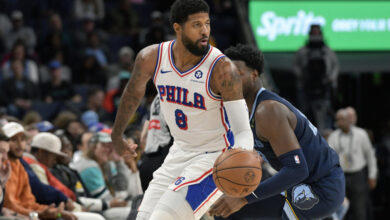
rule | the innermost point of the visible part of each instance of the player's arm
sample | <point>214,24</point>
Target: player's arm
<point>132,95</point>
<point>276,123</point>
<point>226,81</point>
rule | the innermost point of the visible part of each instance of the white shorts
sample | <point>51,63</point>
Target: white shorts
<point>187,170</point>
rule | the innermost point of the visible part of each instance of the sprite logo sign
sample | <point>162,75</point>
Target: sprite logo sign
<point>347,25</point>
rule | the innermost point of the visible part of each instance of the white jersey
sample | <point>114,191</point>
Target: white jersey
<point>195,116</point>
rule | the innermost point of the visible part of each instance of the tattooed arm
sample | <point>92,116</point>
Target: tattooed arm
<point>132,96</point>
<point>226,81</point>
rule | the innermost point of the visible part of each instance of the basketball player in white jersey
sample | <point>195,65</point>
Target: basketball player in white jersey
<point>201,98</point>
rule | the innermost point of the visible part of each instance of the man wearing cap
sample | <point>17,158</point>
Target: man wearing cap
<point>18,196</point>
<point>45,147</point>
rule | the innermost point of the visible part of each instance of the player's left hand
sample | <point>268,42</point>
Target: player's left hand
<point>226,206</point>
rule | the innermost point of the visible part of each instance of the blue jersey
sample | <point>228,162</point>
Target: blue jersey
<point>319,156</point>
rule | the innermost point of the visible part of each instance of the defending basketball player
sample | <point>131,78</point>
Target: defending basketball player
<point>309,174</point>
<point>199,90</point>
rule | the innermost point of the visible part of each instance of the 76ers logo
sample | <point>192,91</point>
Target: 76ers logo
<point>179,180</point>
<point>198,74</point>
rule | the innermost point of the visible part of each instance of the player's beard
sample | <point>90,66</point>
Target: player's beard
<point>193,48</point>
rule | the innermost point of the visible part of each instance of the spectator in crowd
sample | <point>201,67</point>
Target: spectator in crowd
<point>81,146</point>
<point>111,101</point>
<point>89,167</point>
<point>45,147</point>
<point>95,103</point>
<point>55,40</point>
<point>18,196</point>
<point>87,26</point>
<point>31,118</point>
<point>123,19</point>
<point>63,172</point>
<point>25,194</point>
<point>126,61</point>
<point>20,91</point>
<point>316,68</point>
<point>19,31</point>
<point>73,129</point>
<point>5,172</point>
<point>90,72</point>
<point>95,48</point>
<point>357,158</point>
<point>18,52</point>
<point>93,9</point>
<point>57,89</point>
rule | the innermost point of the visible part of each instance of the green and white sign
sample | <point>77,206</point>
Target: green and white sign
<point>347,25</point>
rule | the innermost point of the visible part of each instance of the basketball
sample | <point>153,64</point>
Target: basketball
<point>237,172</point>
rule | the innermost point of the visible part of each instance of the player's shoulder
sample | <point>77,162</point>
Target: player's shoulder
<point>271,111</point>
<point>148,53</point>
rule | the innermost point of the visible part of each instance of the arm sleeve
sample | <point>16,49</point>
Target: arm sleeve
<point>238,118</point>
<point>293,172</point>
<point>369,154</point>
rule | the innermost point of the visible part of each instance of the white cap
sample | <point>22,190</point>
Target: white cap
<point>12,128</point>
<point>49,142</point>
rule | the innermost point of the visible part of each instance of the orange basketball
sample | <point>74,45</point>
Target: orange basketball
<point>237,172</point>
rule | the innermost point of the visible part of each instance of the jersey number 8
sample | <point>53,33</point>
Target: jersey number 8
<point>181,119</point>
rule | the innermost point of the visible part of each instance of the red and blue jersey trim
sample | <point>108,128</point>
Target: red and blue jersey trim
<point>198,195</point>
<point>204,175</point>
<point>228,136</point>
<point>192,69</point>
<point>158,61</point>
<point>208,90</point>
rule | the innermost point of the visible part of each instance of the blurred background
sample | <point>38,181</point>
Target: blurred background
<point>67,62</point>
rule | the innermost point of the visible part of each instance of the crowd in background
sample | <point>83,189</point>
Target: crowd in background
<point>63,67</point>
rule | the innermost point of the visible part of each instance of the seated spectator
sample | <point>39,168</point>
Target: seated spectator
<point>81,146</point>
<point>73,129</point>
<point>58,89</point>
<point>91,173</point>
<point>95,103</point>
<point>93,9</point>
<point>45,147</point>
<point>20,91</point>
<point>126,62</point>
<point>18,52</point>
<point>5,172</point>
<point>54,40</point>
<point>19,31</point>
<point>91,120</point>
<point>64,173</point>
<point>111,101</point>
<point>123,19</point>
<point>19,196</point>
<point>90,72</point>
<point>95,48</point>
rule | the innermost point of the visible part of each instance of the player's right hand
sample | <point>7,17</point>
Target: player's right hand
<point>124,148</point>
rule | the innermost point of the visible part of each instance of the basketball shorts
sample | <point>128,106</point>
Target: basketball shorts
<point>184,170</point>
